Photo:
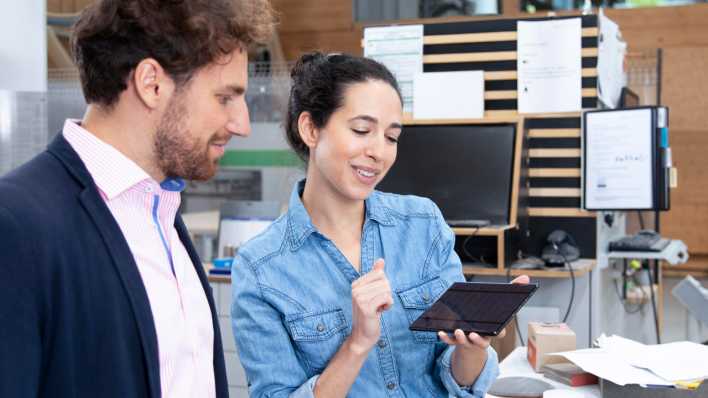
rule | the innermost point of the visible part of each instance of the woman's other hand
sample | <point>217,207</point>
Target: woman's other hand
<point>371,296</point>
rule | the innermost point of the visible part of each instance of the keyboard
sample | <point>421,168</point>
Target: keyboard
<point>641,242</point>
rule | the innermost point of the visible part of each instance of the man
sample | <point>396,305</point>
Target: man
<point>101,291</point>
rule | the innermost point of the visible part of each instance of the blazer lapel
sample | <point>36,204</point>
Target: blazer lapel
<point>119,250</point>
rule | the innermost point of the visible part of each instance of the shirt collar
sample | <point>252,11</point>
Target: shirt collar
<point>113,172</point>
<point>300,224</point>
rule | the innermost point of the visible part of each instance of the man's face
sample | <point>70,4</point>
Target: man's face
<point>201,117</point>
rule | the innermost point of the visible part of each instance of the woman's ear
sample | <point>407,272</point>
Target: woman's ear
<point>309,133</point>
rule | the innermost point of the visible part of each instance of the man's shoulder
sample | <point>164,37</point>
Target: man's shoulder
<point>39,182</point>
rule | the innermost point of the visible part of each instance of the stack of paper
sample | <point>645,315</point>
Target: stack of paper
<point>624,361</point>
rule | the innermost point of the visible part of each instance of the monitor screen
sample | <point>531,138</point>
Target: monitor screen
<point>465,169</point>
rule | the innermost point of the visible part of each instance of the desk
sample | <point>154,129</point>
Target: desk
<point>516,365</point>
<point>580,268</point>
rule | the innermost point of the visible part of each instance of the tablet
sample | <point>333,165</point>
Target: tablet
<point>483,308</point>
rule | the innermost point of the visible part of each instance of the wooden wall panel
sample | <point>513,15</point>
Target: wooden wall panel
<point>67,6</point>
<point>296,43</point>
<point>54,5</point>
<point>314,15</point>
<point>663,27</point>
<point>307,25</point>
<point>688,218</point>
<point>685,87</point>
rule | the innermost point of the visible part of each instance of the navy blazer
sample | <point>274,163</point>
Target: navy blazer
<point>75,320</point>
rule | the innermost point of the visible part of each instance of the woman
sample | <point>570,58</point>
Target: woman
<point>324,297</point>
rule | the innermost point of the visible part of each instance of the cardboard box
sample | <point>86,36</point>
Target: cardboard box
<point>546,338</point>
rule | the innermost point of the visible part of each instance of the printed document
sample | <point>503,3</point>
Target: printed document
<point>400,48</point>
<point>549,66</point>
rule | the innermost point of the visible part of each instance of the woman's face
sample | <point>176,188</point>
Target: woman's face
<point>358,145</point>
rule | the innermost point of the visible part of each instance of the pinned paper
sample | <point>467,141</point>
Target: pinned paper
<point>549,64</point>
<point>448,95</point>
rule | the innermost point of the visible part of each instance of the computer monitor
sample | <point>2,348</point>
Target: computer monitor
<point>467,170</point>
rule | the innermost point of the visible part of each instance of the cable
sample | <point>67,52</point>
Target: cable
<point>572,286</point>
<point>653,304</point>
<point>641,219</point>
<point>467,253</point>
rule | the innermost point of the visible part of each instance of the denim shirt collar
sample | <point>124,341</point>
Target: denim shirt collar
<point>300,224</point>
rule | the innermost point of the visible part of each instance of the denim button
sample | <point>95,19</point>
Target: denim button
<point>426,298</point>
<point>391,386</point>
<point>320,328</point>
<point>382,343</point>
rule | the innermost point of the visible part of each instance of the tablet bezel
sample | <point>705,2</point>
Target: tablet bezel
<point>457,286</point>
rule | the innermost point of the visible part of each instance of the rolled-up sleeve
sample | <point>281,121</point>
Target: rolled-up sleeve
<point>485,379</point>
<point>263,343</point>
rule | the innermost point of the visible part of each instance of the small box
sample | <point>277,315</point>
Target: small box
<point>546,338</point>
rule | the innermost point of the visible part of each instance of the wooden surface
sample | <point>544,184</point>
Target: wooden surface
<point>697,266</point>
<point>684,92</point>
<point>313,24</point>
<point>580,268</point>
<point>559,212</point>
<point>560,173</point>
<point>516,175</point>
<point>663,27</point>
<point>554,133</point>
<point>68,6</point>
<point>510,117</point>
<point>486,231</point>
<point>685,87</point>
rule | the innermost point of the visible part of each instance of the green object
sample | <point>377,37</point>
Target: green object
<point>260,158</point>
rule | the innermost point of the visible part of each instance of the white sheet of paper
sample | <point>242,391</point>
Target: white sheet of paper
<point>606,364</point>
<point>549,66</point>
<point>610,68</point>
<point>400,48</point>
<point>618,160</point>
<point>448,95</point>
<point>676,361</point>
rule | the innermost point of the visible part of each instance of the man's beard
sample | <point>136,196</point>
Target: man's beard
<point>178,154</point>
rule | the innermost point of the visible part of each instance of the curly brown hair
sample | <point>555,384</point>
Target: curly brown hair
<point>111,37</point>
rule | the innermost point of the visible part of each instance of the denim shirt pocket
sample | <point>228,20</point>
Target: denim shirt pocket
<point>419,298</point>
<point>317,335</point>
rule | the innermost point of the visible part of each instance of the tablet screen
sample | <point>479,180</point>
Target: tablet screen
<point>484,308</point>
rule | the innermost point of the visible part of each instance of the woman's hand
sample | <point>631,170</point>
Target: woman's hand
<point>471,350</point>
<point>473,341</point>
<point>371,296</point>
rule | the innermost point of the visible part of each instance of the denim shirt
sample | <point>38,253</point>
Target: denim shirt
<point>292,310</point>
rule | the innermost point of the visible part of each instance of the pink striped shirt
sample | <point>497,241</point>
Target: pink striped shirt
<point>146,213</point>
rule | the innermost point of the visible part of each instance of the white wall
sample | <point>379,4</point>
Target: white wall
<point>23,45</point>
